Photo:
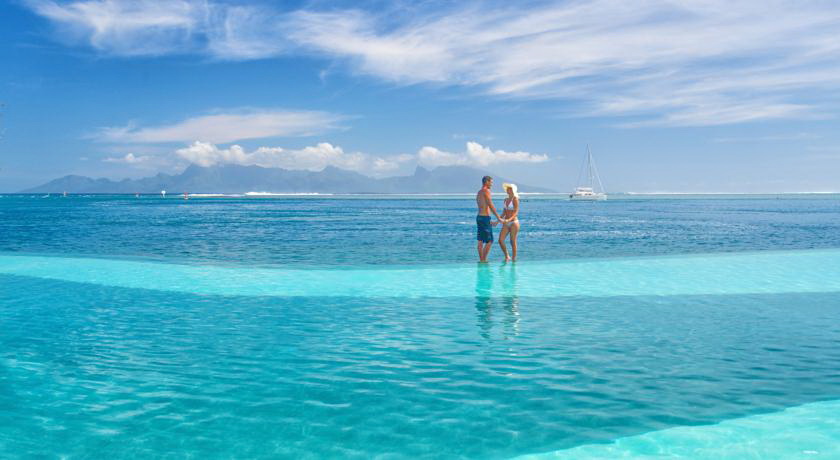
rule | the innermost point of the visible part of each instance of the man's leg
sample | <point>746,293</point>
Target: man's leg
<point>480,251</point>
<point>487,246</point>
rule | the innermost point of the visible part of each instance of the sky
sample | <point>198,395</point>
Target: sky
<point>671,96</point>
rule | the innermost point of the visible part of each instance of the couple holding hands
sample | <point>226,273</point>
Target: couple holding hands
<point>508,219</point>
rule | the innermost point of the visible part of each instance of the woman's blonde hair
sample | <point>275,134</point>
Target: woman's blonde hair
<point>512,186</point>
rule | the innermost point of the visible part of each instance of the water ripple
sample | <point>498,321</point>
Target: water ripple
<point>128,372</point>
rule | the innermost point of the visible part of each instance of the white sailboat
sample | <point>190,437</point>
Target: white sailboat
<point>588,192</point>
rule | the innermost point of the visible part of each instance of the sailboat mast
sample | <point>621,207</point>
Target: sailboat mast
<point>595,173</point>
<point>590,192</point>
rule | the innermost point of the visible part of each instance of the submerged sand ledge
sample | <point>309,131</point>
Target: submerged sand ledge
<point>810,431</point>
<point>719,274</point>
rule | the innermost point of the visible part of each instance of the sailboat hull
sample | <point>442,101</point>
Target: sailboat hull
<point>594,197</point>
<point>588,192</point>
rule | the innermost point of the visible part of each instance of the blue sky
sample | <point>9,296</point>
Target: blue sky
<point>687,96</point>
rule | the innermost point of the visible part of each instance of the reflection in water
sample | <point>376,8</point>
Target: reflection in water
<point>510,301</point>
<point>505,299</point>
<point>483,299</point>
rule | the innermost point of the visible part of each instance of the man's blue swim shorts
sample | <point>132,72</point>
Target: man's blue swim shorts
<point>485,230</point>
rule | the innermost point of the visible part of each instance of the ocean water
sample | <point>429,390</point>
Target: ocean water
<point>375,230</point>
<point>361,327</point>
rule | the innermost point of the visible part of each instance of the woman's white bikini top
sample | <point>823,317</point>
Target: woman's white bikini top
<point>510,206</point>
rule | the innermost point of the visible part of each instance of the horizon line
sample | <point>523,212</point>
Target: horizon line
<point>257,194</point>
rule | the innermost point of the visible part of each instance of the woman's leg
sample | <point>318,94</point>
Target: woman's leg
<point>514,232</point>
<point>502,235</point>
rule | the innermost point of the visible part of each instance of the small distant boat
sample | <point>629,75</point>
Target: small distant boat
<point>588,192</point>
<point>65,194</point>
<point>163,193</point>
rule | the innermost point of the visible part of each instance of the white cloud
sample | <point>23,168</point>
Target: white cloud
<point>127,28</point>
<point>701,62</point>
<point>246,32</point>
<point>390,164</point>
<point>319,156</point>
<point>689,63</point>
<point>312,158</point>
<point>128,158</point>
<point>142,162</point>
<point>162,27</point>
<point>227,127</point>
<point>769,138</point>
<point>475,155</point>
<point>206,154</point>
<point>433,157</point>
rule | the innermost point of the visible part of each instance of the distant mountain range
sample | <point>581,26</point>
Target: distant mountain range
<point>242,179</point>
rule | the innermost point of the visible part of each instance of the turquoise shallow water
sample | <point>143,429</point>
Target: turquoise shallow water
<point>742,273</point>
<point>225,348</point>
<point>807,431</point>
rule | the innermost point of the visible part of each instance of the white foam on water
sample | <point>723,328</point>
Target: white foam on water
<point>724,274</point>
<point>214,195</point>
<point>287,194</point>
<point>810,431</point>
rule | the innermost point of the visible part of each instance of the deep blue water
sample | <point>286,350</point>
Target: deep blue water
<point>92,368</point>
<point>371,230</point>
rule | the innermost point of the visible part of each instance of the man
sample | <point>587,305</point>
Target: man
<point>485,229</point>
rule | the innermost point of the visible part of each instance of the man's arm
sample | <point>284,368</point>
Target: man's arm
<point>488,198</point>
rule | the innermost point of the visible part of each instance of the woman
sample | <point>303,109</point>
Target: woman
<point>510,221</point>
